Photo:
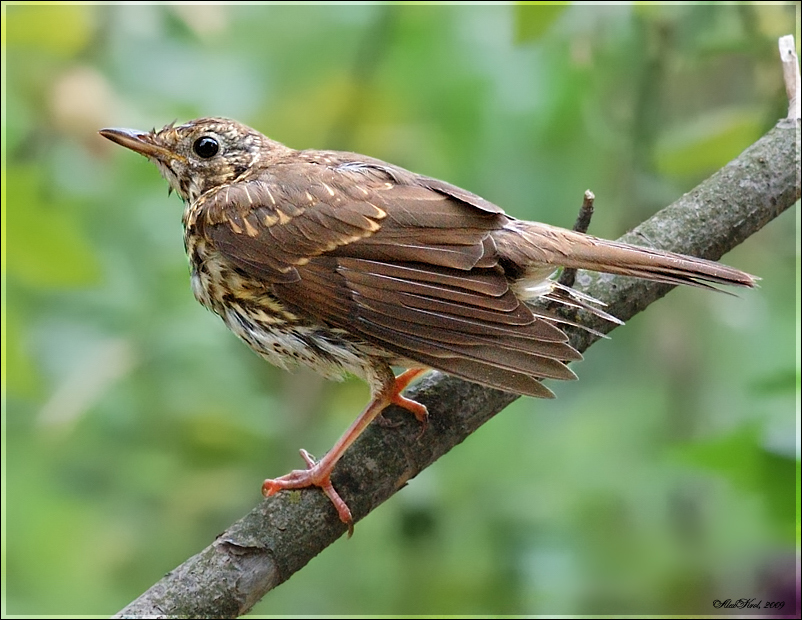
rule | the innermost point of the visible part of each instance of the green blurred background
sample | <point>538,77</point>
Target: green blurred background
<point>137,427</point>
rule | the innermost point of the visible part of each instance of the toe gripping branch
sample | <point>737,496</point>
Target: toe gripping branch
<point>318,473</point>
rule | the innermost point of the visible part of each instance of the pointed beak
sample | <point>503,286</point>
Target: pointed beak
<point>140,142</point>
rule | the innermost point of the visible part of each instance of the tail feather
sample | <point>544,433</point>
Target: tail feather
<point>537,247</point>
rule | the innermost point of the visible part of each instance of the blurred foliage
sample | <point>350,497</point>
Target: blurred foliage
<point>136,427</point>
<point>534,19</point>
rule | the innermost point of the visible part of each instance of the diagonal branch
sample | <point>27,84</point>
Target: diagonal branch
<point>283,533</point>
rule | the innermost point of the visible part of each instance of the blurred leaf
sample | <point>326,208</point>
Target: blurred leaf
<point>533,19</point>
<point>19,374</point>
<point>708,142</point>
<point>63,29</point>
<point>780,474</point>
<point>304,118</point>
<point>784,381</point>
<point>749,467</point>
<point>45,246</point>
<point>17,120</point>
<point>734,456</point>
<point>653,9</point>
<point>176,27</point>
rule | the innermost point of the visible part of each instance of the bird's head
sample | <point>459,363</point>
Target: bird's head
<point>201,154</point>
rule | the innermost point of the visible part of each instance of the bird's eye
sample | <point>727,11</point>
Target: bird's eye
<point>206,147</point>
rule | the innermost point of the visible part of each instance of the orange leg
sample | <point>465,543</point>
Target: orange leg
<point>319,474</point>
<point>402,381</point>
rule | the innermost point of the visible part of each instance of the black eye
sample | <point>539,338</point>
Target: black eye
<point>206,147</point>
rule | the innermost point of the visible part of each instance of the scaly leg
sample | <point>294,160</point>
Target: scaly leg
<point>319,474</point>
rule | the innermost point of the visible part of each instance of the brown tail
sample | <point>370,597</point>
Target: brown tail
<point>540,248</point>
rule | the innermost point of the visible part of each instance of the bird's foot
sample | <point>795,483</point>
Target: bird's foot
<point>415,408</point>
<point>317,475</point>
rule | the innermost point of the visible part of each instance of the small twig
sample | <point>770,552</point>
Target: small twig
<point>585,212</point>
<point>568,276</point>
<point>791,75</point>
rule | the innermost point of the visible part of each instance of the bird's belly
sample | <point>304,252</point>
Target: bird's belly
<point>278,335</point>
<point>322,350</point>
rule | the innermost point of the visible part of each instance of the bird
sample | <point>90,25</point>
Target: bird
<point>351,265</point>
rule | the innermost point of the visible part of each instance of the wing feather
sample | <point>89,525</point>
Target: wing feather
<point>405,263</point>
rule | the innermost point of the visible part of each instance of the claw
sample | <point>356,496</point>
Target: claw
<point>315,475</point>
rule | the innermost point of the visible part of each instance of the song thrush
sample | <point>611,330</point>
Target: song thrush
<point>348,264</point>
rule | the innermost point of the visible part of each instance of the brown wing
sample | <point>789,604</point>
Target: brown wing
<point>269,227</point>
<point>404,262</point>
<point>467,324</point>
